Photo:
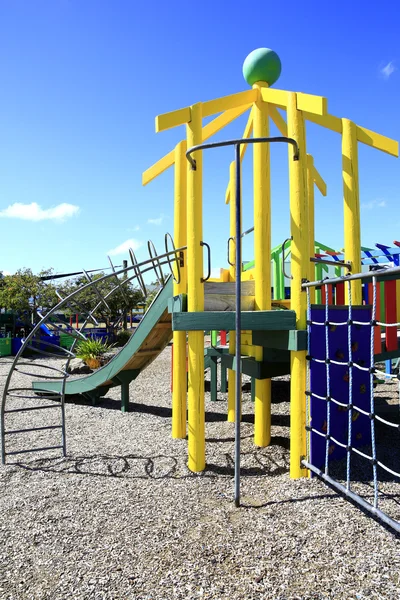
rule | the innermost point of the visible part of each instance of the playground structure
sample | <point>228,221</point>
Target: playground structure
<point>270,333</point>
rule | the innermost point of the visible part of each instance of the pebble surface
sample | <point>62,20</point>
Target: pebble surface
<point>121,517</point>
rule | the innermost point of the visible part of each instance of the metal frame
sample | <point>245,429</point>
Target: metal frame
<point>238,269</point>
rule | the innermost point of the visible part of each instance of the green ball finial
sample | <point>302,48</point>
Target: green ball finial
<point>262,64</point>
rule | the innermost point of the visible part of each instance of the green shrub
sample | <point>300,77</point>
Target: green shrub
<point>123,337</point>
<point>88,349</point>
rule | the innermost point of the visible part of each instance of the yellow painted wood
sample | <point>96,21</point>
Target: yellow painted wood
<point>274,96</point>
<point>159,167</point>
<point>319,182</point>
<point>299,268</point>
<point>318,105</point>
<point>351,197</point>
<point>223,120</point>
<point>311,222</point>
<point>246,134</point>
<point>212,107</point>
<point>327,121</point>
<point>196,416</point>
<point>262,256</point>
<point>179,393</point>
<point>378,141</point>
<point>232,260</point>
<point>173,119</point>
<point>278,120</point>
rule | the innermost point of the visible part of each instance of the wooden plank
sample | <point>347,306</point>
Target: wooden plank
<point>159,167</point>
<point>390,315</point>
<point>273,96</point>
<point>257,369</point>
<point>164,325</point>
<point>223,120</point>
<point>149,352</point>
<point>281,340</point>
<point>317,105</point>
<point>327,121</point>
<point>225,302</point>
<point>378,141</point>
<point>222,287</point>
<point>261,320</point>
<point>319,182</point>
<point>173,119</point>
<point>212,107</point>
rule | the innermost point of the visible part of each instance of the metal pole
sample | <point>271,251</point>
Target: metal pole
<point>238,274</point>
<point>124,276</point>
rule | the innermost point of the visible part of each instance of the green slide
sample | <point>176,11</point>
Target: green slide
<point>150,338</point>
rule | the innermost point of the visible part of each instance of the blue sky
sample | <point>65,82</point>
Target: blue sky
<point>81,83</point>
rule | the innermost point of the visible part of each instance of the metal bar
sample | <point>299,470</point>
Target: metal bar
<point>283,258</point>
<point>33,450</point>
<point>26,409</point>
<point>354,497</point>
<point>203,279</point>
<point>381,274</point>
<point>269,140</point>
<point>12,431</point>
<point>238,326</point>
<point>334,263</point>
<point>247,231</point>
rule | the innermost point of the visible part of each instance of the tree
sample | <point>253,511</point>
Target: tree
<point>121,300</point>
<point>25,293</point>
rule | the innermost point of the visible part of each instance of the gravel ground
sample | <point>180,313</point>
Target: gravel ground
<point>122,518</point>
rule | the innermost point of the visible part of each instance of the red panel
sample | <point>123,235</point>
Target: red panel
<point>223,338</point>
<point>390,315</point>
<point>330,294</point>
<point>339,294</point>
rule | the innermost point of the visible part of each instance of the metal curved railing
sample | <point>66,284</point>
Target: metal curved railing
<point>19,398</point>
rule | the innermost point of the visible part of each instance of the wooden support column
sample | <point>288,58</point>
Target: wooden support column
<point>300,269</point>
<point>351,197</point>
<point>262,257</point>
<point>179,386</point>
<point>311,222</point>
<point>196,416</point>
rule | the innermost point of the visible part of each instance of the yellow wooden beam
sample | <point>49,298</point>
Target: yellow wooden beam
<point>212,107</point>
<point>317,105</point>
<point>277,97</point>
<point>246,134</point>
<point>222,120</point>
<point>319,182</point>
<point>159,167</point>
<point>173,119</point>
<point>278,120</point>
<point>378,141</point>
<point>327,121</point>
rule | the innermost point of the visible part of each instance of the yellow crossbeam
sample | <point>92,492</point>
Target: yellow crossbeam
<point>213,107</point>
<point>246,134</point>
<point>317,105</point>
<point>365,136</point>
<point>208,131</point>
<point>319,182</point>
<point>173,119</point>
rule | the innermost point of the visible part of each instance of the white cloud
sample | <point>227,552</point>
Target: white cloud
<point>5,273</point>
<point>34,212</point>
<point>388,69</point>
<point>124,247</point>
<point>374,204</point>
<point>156,221</point>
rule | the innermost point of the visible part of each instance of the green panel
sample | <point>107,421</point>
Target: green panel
<point>117,364</point>
<point>281,340</point>
<point>5,346</point>
<point>177,303</point>
<point>258,370</point>
<point>262,320</point>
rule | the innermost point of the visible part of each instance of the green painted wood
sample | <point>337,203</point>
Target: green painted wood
<point>253,389</point>
<point>125,396</point>
<point>261,320</point>
<point>214,338</point>
<point>224,379</point>
<point>118,363</point>
<point>177,303</point>
<point>213,377</point>
<point>281,340</point>
<point>256,369</point>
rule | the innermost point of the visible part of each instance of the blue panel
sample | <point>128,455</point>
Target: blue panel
<point>339,380</point>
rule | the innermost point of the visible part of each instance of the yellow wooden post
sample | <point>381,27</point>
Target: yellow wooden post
<point>179,390</point>
<point>232,257</point>
<point>196,417</point>
<point>300,269</point>
<point>262,257</point>
<point>311,221</point>
<point>352,226</point>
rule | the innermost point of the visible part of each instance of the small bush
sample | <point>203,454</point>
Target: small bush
<point>123,337</point>
<point>88,349</point>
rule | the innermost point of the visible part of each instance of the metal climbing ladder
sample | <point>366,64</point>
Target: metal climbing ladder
<point>17,398</point>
